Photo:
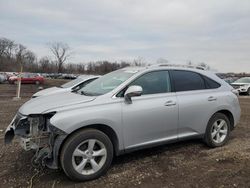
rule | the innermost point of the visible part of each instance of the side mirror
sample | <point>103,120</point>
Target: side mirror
<point>132,91</point>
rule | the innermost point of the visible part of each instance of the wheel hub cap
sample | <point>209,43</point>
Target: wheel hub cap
<point>89,157</point>
<point>219,131</point>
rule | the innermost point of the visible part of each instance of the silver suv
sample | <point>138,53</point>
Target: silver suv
<point>123,111</point>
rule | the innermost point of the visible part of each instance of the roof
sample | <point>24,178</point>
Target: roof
<point>86,76</point>
<point>166,66</point>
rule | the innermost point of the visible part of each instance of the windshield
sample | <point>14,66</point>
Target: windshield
<point>72,83</point>
<point>243,80</point>
<point>106,83</point>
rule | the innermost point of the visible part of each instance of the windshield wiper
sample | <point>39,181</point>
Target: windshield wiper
<point>89,94</point>
<point>85,93</point>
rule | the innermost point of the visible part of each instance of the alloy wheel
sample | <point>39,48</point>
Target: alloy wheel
<point>89,157</point>
<point>219,131</point>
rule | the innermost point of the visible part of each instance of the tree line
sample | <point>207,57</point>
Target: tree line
<point>13,56</point>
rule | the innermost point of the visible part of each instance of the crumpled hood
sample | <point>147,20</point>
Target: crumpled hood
<point>48,103</point>
<point>48,91</point>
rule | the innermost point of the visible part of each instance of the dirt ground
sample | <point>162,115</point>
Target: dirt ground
<point>184,164</point>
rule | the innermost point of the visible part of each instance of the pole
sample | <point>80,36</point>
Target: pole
<point>19,84</point>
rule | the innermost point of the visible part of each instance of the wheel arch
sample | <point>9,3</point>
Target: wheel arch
<point>61,139</point>
<point>229,116</point>
<point>101,127</point>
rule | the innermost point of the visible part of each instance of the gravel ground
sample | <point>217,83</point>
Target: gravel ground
<point>184,164</point>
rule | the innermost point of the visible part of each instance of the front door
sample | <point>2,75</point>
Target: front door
<point>152,117</point>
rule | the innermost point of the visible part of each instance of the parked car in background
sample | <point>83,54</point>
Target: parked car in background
<point>242,85</point>
<point>125,110</point>
<point>27,78</point>
<point>3,77</point>
<point>230,80</point>
<point>73,85</point>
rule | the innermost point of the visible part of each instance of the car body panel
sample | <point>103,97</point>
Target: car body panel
<point>197,107</point>
<point>70,120</point>
<point>51,90</point>
<point>150,114</point>
<point>53,102</point>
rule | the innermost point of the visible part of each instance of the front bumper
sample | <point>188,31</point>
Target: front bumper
<point>12,130</point>
<point>44,140</point>
<point>242,90</point>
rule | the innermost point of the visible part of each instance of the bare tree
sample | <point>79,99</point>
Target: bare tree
<point>44,64</point>
<point>6,47</point>
<point>162,61</point>
<point>61,51</point>
<point>21,53</point>
<point>139,61</point>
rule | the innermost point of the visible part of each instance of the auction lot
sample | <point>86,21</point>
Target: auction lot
<point>185,164</point>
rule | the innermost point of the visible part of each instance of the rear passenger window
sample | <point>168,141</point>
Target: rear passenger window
<point>211,84</point>
<point>187,81</point>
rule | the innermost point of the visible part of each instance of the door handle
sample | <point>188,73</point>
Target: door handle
<point>170,103</point>
<point>212,98</point>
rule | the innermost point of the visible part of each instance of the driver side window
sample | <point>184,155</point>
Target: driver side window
<point>152,83</point>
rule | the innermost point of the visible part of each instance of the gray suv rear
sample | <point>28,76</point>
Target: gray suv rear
<point>125,110</point>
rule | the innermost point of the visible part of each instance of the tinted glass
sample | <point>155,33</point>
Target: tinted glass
<point>187,81</point>
<point>211,84</point>
<point>154,82</point>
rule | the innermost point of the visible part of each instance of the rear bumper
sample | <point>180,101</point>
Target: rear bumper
<point>236,113</point>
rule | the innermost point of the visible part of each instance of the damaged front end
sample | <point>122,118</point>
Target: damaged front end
<point>35,132</point>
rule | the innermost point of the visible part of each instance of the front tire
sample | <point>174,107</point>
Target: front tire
<point>86,155</point>
<point>218,130</point>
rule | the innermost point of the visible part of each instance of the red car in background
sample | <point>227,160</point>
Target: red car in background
<point>27,78</point>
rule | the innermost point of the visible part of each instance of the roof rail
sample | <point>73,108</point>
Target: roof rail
<point>179,65</point>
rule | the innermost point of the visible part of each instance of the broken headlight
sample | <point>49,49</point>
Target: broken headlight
<point>37,124</point>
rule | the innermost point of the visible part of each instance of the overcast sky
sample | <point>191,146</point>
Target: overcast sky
<point>216,32</point>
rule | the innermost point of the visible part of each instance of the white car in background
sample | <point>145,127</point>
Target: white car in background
<point>3,78</point>
<point>73,85</point>
<point>242,85</point>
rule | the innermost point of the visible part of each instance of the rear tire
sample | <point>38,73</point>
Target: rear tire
<point>218,130</point>
<point>80,162</point>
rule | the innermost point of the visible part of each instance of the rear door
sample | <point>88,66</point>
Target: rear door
<point>152,117</point>
<point>198,100</point>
